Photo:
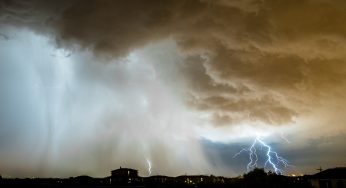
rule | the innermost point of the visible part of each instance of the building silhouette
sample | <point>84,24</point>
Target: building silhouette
<point>330,178</point>
<point>125,176</point>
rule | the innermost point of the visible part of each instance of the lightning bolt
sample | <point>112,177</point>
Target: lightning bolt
<point>273,159</point>
<point>149,167</point>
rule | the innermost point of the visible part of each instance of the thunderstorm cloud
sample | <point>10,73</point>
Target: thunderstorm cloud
<point>90,85</point>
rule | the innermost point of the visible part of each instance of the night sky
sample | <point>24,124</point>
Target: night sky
<point>87,86</point>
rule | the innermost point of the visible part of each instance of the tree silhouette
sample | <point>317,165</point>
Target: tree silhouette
<point>255,178</point>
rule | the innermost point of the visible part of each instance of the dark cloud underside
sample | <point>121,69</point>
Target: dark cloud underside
<point>273,47</point>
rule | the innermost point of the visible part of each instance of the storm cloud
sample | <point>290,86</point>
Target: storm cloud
<point>217,65</point>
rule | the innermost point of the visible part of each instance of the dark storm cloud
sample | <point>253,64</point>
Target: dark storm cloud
<point>264,109</point>
<point>325,151</point>
<point>237,44</point>
<point>234,62</point>
<point>257,61</point>
<point>195,75</point>
<point>268,56</point>
<point>35,14</point>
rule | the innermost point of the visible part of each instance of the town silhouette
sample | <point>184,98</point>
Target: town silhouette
<point>126,177</point>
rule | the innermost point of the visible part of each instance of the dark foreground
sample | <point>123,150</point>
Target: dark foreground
<point>257,178</point>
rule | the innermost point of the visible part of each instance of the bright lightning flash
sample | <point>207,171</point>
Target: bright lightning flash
<point>272,157</point>
<point>149,167</point>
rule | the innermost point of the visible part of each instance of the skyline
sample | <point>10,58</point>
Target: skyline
<point>148,175</point>
<point>180,85</point>
<point>130,178</point>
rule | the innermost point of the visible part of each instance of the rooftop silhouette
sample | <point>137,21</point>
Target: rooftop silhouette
<point>127,177</point>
